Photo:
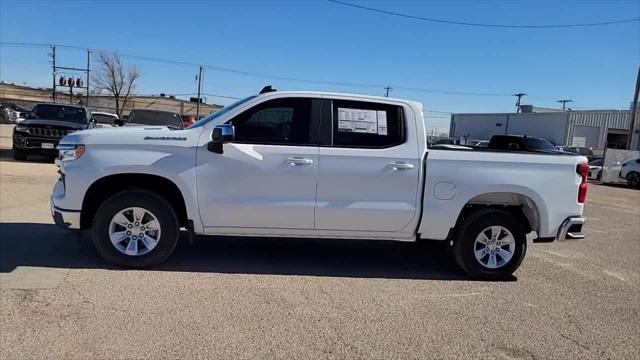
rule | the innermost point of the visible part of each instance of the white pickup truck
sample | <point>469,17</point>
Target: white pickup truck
<point>313,164</point>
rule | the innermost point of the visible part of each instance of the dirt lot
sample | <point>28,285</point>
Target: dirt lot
<point>248,298</point>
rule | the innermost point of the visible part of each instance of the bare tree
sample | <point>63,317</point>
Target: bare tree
<point>115,79</point>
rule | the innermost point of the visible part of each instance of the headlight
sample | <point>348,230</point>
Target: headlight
<point>70,152</point>
<point>22,128</point>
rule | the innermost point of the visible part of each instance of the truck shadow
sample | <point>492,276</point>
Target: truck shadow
<point>7,155</point>
<point>46,245</point>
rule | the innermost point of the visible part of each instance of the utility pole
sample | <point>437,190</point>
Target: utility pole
<point>519,96</point>
<point>71,92</point>
<point>70,83</point>
<point>53,55</point>
<point>564,102</point>
<point>199,88</point>
<point>387,89</point>
<point>634,111</point>
<point>88,63</point>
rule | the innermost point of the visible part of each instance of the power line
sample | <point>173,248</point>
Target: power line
<point>486,25</point>
<point>272,76</point>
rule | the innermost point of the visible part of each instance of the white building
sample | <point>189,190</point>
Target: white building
<point>598,129</point>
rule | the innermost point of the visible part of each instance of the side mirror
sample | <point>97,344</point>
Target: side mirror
<point>221,134</point>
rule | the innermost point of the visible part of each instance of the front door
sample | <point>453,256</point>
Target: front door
<point>368,177</point>
<point>266,177</point>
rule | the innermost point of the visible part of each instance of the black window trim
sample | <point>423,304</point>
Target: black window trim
<point>314,125</point>
<point>327,123</point>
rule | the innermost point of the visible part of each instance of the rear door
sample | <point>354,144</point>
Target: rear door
<point>266,177</point>
<point>369,170</point>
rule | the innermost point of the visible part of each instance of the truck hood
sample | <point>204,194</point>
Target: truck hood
<point>53,123</point>
<point>134,136</point>
<point>124,130</point>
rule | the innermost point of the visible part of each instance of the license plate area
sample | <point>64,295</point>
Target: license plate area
<point>47,145</point>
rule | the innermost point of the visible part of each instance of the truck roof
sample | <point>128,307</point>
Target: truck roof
<point>337,94</point>
<point>62,105</point>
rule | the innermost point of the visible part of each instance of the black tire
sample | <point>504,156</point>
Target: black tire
<point>19,155</point>
<point>471,227</point>
<point>633,178</point>
<point>152,202</point>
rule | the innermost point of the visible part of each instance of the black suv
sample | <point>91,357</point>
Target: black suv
<point>155,118</point>
<point>524,143</point>
<point>45,125</point>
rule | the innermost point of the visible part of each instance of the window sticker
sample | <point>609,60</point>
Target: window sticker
<point>362,121</point>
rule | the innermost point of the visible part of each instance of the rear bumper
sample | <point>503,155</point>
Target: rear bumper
<point>66,219</point>
<point>571,228</point>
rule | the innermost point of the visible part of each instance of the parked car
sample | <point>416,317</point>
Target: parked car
<point>523,143</point>
<point>451,147</point>
<point>482,144</point>
<point>580,150</point>
<point>595,169</point>
<point>313,164</point>
<point>12,113</point>
<point>188,120</point>
<point>45,125</point>
<point>631,171</point>
<point>154,117</point>
<point>104,119</point>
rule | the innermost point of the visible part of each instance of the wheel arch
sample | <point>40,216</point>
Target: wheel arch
<point>521,206</point>
<point>107,186</point>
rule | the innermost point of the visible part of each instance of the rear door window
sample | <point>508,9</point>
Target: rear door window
<point>364,124</point>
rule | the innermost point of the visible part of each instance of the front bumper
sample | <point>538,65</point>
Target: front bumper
<point>26,142</point>
<point>66,219</point>
<point>571,228</point>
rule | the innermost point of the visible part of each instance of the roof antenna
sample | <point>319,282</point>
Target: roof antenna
<point>267,89</point>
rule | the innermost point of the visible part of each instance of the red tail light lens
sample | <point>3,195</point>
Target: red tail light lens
<point>583,171</point>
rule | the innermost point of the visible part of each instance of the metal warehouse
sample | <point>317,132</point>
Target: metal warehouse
<point>597,129</point>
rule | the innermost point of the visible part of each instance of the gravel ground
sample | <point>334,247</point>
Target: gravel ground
<point>267,298</point>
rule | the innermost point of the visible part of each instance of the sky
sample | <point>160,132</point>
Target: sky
<point>323,41</point>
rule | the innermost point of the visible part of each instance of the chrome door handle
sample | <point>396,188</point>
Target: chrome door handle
<point>296,161</point>
<point>399,165</point>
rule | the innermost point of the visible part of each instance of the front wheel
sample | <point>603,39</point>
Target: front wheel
<point>135,229</point>
<point>19,155</point>
<point>490,244</point>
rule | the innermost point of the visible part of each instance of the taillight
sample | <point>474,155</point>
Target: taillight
<point>583,171</point>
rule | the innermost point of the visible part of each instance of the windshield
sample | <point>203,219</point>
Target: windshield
<point>155,118</point>
<point>539,144</point>
<point>60,113</point>
<point>221,112</point>
<point>103,118</point>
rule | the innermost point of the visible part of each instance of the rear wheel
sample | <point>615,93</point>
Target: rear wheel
<point>490,244</point>
<point>633,178</point>
<point>136,229</point>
